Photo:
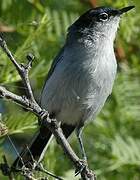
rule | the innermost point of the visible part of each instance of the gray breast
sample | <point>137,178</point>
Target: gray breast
<point>80,84</point>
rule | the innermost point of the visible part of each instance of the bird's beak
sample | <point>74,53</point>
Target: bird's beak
<point>124,10</point>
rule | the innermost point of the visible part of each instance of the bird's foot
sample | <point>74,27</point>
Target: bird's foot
<point>83,168</point>
<point>83,165</point>
<point>43,115</point>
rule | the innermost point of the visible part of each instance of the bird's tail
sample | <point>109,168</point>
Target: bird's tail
<point>35,151</point>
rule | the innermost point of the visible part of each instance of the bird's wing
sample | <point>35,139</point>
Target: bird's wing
<point>56,60</point>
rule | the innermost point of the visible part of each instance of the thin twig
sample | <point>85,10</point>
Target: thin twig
<point>6,169</point>
<point>40,168</point>
<point>29,177</point>
<point>20,100</point>
<point>23,70</point>
<point>9,54</point>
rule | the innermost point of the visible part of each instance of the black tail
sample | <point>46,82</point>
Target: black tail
<point>38,147</point>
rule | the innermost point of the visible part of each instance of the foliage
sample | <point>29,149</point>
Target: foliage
<point>112,140</point>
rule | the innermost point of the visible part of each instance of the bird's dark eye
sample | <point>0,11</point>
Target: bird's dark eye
<point>103,17</point>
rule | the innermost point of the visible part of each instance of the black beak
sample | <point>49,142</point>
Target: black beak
<point>124,10</point>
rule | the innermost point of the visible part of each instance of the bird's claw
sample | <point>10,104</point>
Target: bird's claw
<point>81,167</point>
<point>43,114</point>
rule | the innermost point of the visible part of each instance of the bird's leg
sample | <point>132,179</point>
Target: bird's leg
<point>80,140</point>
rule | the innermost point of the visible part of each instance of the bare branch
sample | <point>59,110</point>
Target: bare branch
<point>20,100</point>
<point>9,54</point>
<point>6,169</point>
<point>23,70</point>
<point>31,105</point>
<point>41,169</point>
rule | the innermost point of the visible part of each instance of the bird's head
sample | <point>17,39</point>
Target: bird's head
<point>100,21</point>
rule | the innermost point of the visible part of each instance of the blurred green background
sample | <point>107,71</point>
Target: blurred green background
<point>112,141</point>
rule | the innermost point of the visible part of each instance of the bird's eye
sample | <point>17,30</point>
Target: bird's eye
<point>103,16</point>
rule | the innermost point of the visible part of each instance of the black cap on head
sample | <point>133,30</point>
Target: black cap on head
<point>97,15</point>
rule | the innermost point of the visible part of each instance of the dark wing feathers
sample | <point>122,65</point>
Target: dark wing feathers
<point>58,58</point>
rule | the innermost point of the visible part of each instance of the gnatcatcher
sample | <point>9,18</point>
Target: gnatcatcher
<point>81,77</point>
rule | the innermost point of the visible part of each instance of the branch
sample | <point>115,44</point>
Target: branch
<point>20,100</point>
<point>23,70</point>
<point>5,168</point>
<point>31,105</point>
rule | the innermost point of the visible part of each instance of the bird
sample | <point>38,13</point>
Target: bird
<point>80,79</point>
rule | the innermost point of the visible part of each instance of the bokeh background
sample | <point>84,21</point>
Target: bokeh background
<point>112,141</point>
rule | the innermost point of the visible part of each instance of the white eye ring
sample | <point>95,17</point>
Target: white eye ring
<point>103,16</point>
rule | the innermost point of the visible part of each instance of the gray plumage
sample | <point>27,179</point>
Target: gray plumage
<point>81,77</point>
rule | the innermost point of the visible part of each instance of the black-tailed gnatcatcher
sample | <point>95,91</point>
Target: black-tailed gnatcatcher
<point>81,76</point>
